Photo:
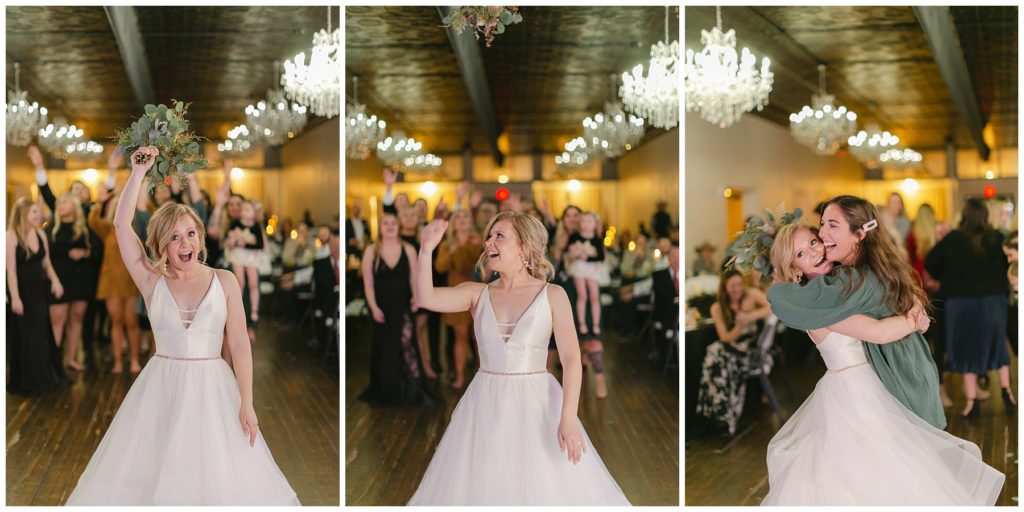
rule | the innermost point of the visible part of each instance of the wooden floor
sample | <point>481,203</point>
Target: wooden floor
<point>635,429</point>
<point>721,471</point>
<point>51,438</point>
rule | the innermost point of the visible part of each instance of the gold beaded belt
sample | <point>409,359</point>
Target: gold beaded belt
<point>187,358</point>
<point>481,370</point>
<point>848,367</point>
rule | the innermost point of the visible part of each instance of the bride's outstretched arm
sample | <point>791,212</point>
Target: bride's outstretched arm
<point>569,436</point>
<point>241,353</point>
<point>132,253</point>
<point>440,299</point>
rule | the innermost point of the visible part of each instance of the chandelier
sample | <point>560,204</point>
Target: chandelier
<point>274,120</point>
<point>317,84</point>
<point>721,85</point>
<point>24,119</point>
<point>58,136</point>
<point>823,127</point>
<point>613,132</point>
<point>576,153</point>
<point>84,149</point>
<point>422,163</point>
<point>396,148</point>
<point>239,141</point>
<point>869,145</point>
<point>656,96</point>
<point>900,157</point>
<point>362,132</point>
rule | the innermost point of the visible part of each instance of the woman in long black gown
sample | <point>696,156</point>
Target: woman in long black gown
<point>32,354</point>
<point>396,371</point>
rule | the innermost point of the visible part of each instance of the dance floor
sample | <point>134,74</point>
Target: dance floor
<point>635,429</point>
<point>51,438</point>
<point>721,471</point>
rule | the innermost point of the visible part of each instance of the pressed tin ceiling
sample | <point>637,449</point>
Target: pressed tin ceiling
<point>544,74</point>
<point>219,59</point>
<point>880,65</point>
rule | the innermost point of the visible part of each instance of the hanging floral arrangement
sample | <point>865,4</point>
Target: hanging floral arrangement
<point>488,20</point>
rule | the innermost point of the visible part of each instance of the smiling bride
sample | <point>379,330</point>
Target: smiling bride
<point>186,433</point>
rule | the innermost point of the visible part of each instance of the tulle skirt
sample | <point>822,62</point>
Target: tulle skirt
<point>501,448</point>
<point>852,443</point>
<point>177,440</point>
<point>594,270</point>
<point>252,258</point>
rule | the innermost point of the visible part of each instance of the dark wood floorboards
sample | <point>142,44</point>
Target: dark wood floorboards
<point>721,471</point>
<point>51,438</point>
<point>635,429</point>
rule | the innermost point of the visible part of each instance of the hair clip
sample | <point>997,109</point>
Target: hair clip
<point>869,225</point>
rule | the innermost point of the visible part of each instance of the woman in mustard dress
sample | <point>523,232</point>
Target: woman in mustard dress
<point>457,256</point>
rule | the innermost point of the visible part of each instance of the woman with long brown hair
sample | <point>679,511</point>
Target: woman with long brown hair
<point>457,256</point>
<point>873,279</point>
<point>32,354</point>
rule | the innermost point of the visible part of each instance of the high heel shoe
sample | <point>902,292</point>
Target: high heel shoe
<point>1009,402</point>
<point>972,411</point>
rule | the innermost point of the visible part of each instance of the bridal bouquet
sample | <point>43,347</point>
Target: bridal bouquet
<point>488,20</point>
<point>753,246</point>
<point>167,129</point>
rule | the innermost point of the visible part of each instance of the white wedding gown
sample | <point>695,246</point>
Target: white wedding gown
<point>177,439</point>
<point>852,443</point>
<point>501,447</point>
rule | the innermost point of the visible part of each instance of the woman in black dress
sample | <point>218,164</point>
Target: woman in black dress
<point>32,354</point>
<point>396,372</point>
<point>77,265</point>
<point>971,267</point>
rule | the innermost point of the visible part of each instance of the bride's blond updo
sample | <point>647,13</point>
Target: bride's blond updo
<point>533,241</point>
<point>161,229</point>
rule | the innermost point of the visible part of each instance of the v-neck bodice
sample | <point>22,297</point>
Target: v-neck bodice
<point>200,339</point>
<point>525,349</point>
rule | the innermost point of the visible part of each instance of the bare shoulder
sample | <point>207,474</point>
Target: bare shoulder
<point>556,294</point>
<point>757,296</point>
<point>228,282</point>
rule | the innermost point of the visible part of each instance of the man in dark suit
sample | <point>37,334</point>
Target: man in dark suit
<point>357,233</point>
<point>666,299</point>
<point>326,295</point>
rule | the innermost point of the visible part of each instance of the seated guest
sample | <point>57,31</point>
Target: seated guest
<point>664,285</point>
<point>705,263</point>
<point>723,383</point>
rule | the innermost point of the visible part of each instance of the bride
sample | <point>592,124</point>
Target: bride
<point>186,433</point>
<point>514,438</point>
<point>852,442</point>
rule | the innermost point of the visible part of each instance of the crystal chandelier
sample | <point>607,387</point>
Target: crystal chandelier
<point>84,149</point>
<point>58,136</point>
<point>239,141</point>
<point>613,132</point>
<point>576,153</point>
<point>317,84</point>
<point>823,127</point>
<point>274,121</point>
<point>900,157</point>
<point>24,119</point>
<point>362,132</point>
<point>656,96</point>
<point>721,85</point>
<point>422,163</point>
<point>869,145</point>
<point>395,148</point>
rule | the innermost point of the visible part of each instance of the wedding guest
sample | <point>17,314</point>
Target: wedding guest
<point>924,234</point>
<point>723,384</point>
<point>705,263</point>
<point>972,269</point>
<point>298,252</point>
<point>922,237</point>
<point>77,268</point>
<point>638,263</point>
<point>357,233</point>
<point>558,246</point>
<point>661,221</point>
<point>326,282</point>
<point>896,207</point>
<point>1013,316</point>
<point>33,358</point>
<point>457,256</point>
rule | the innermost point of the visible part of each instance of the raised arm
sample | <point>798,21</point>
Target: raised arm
<point>41,178</point>
<point>132,253</point>
<point>17,307</point>
<point>569,437</point>
<point>441,299</point>
<point>241,353</point>
<point>214,227</point>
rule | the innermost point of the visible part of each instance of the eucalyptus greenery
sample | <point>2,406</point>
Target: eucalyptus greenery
<point>753,246</point>
<point>488,20</point>
<point>167,130</point>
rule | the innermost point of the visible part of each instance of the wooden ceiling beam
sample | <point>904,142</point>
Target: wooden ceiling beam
<point>125,25</point>
<point>941,33</point>
<point>471,64</point>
